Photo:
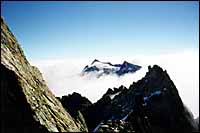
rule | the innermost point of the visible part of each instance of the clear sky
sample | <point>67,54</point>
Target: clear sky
<point>48,30</point>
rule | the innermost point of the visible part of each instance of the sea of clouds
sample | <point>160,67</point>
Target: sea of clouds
<point>63,75</point>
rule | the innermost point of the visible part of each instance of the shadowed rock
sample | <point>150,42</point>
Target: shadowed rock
<point>150,105</point>
<point>27,104</point>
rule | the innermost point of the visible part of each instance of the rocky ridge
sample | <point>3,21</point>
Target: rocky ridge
<point>27,104</point>
<point>150,105</point>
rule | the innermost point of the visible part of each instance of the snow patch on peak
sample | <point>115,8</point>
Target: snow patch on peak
<point>113,95</point>
<point>152,94</point>
<point>105,68</point>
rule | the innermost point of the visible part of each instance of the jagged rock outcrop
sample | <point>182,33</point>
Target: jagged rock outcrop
<point>27,104</point>
<point>151,105</point>
<point>75,104</point>
<point>160,105</point>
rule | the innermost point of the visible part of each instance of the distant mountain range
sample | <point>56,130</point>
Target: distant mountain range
<point>106,68</point>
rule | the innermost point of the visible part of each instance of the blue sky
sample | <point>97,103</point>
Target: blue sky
<point>49,30</point>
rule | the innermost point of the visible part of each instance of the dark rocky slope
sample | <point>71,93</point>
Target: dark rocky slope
<point>197,122</point>
<point>151,105</point>
<point>74,103</point>
<point>27,105</point>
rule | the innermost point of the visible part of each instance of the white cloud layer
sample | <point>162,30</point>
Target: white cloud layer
<point>62,76</point>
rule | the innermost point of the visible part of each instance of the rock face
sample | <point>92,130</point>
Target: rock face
<point>75,104</point>
<point>27,105</point>
<point>197,122</point>
<point>151,105</point>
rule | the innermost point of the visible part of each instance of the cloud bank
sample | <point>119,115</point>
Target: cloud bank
<point>62,76</point>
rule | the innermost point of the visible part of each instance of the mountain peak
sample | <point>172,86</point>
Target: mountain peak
<point>106,68</point>
<point>95,61</point>
<point>125,62</point>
